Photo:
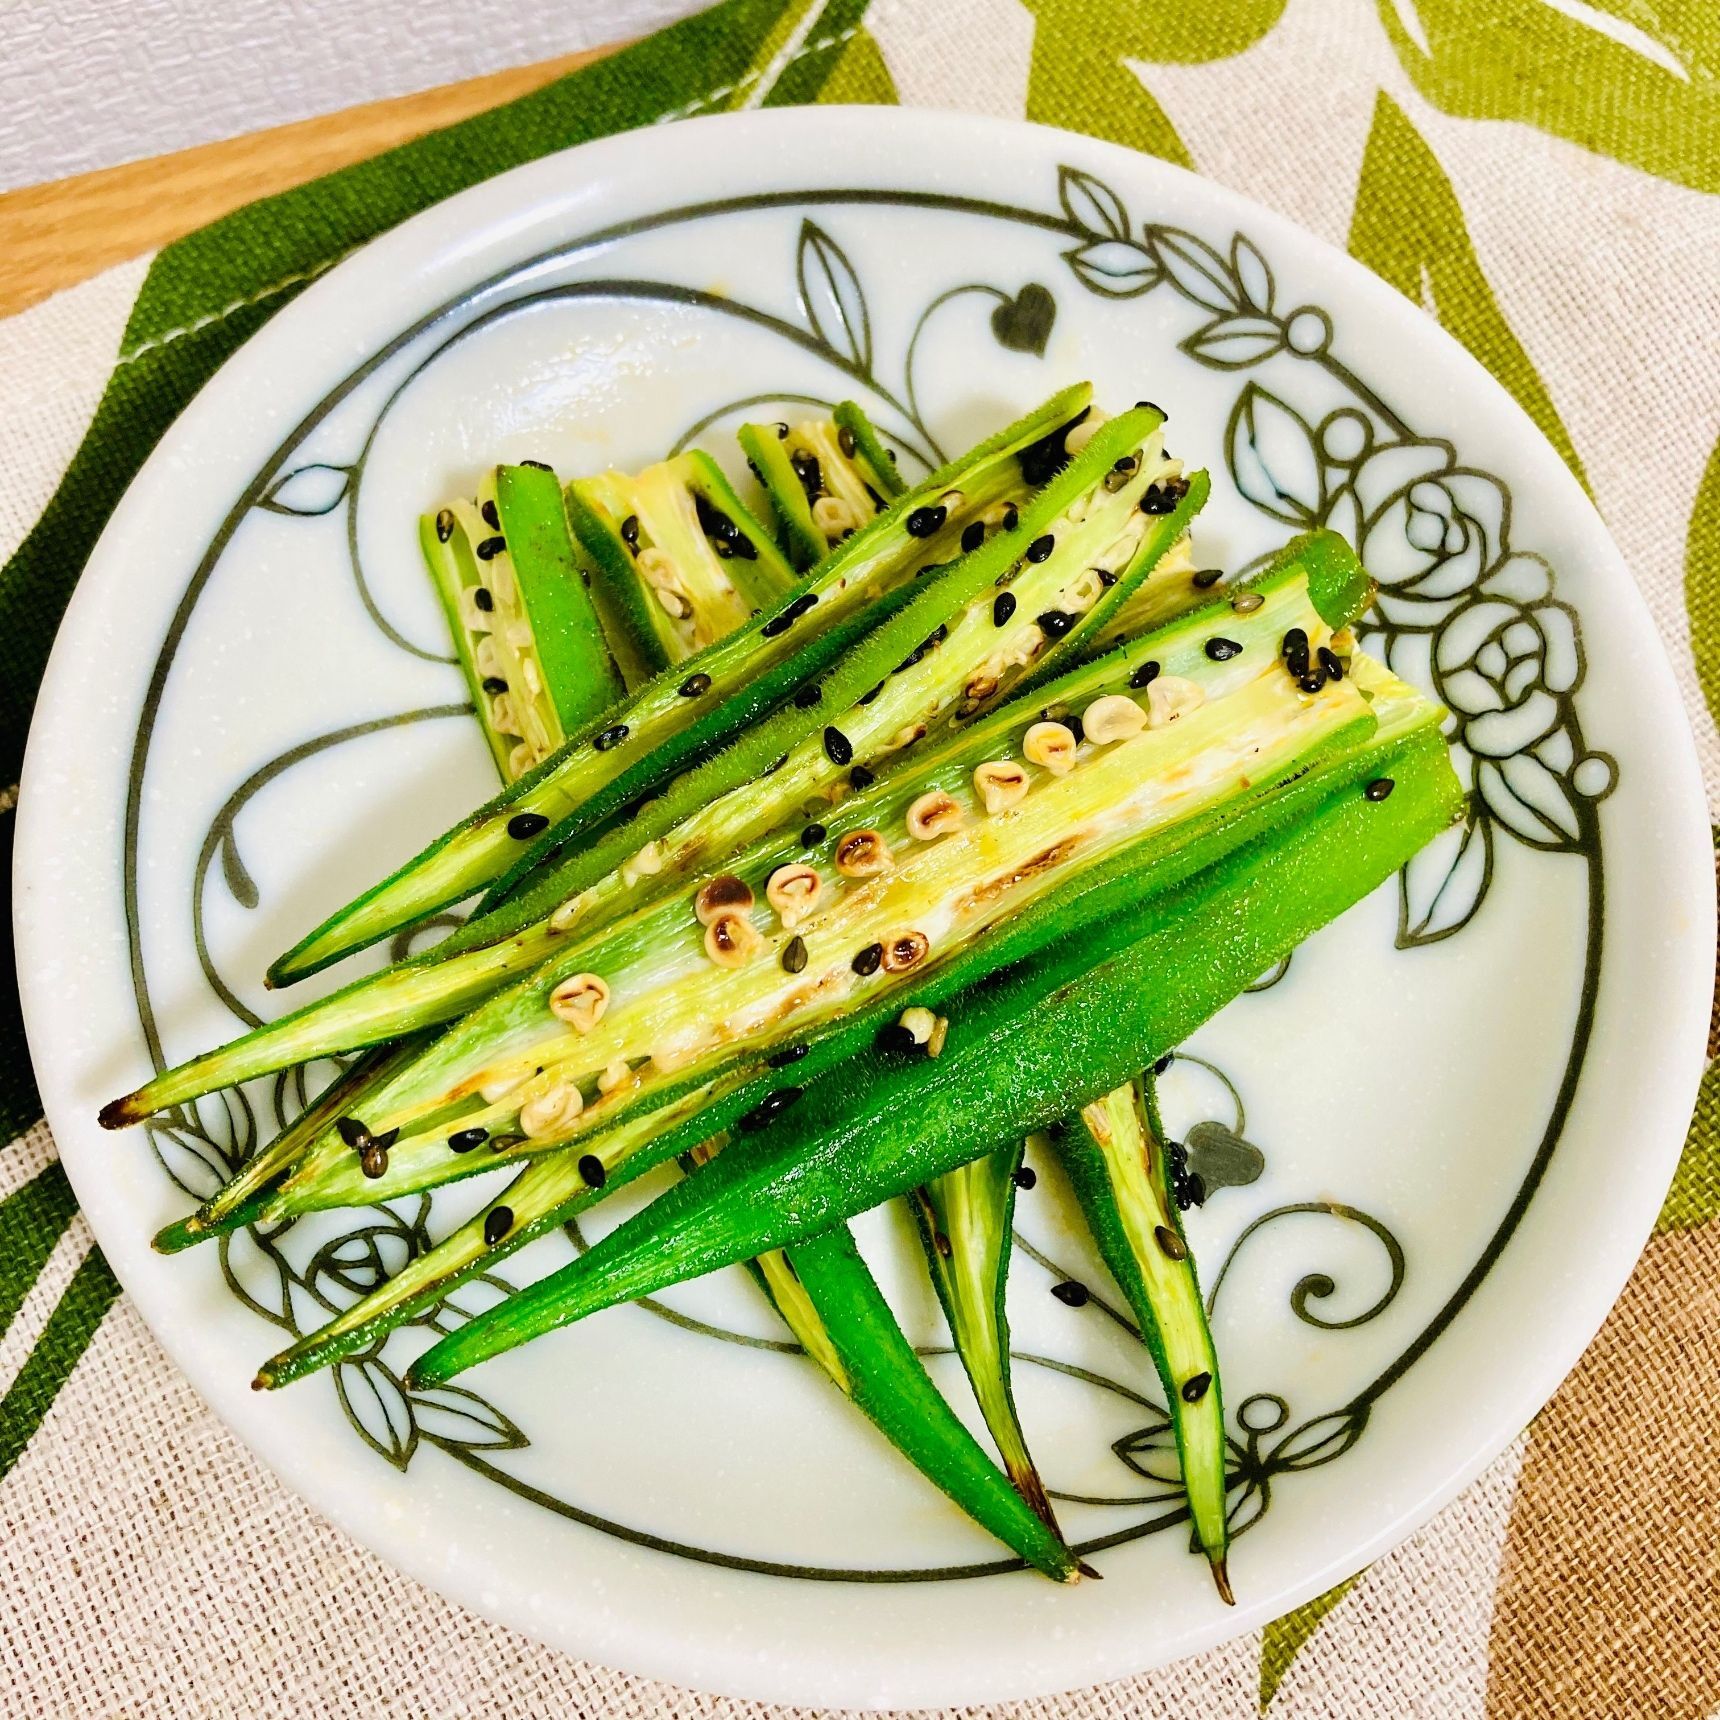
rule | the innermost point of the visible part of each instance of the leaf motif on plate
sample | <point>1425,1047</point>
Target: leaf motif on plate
<point>1115,268</point>
<point>1272,457</point>
<point>308,491</point>
<point>451,1415</point>
<point>832,297</point>
<point>1442,887</point>
<point>1234,342</point>
<point>1092,205</point>
<point>377,1406</point>
<point>1198,271</point>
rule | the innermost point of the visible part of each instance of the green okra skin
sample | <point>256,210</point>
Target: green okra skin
<point>965,1219</point>
<point>681,560</point>
<point>515,1068</point>
<point>524,627</point>
<point>1022,1051</point>
<point>1116,1159</point>
<point>837,462</point>
<point>651,734</point>
<point>890,1384</point>
<point>944,659</point>
<point>553,1189</point>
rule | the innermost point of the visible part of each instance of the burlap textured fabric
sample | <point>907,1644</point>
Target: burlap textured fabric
<point>1541,177</point>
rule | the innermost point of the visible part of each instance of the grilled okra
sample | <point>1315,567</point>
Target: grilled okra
<point>1027,601</point>
<point>1115,911</point>
<point>521,615</point>
<point>1022,1052</point>
<point>692,708</point>
<point>824,478</point>
<point>679,556</point>
<point>966,1220</point>
<point>1117,1159</point>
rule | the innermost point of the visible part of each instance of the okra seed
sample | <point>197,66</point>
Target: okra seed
<point>482,598</point>
<point>552,1112</point>
<point>904,951</point>
<point>489,548</point>
<point>373,1161</point>
<point>923,522</point>
<point>467,1139</point>
<point>494,684</point>
<point>918,1023</point>
<point>695,685</point>
<point>1011,516</point>
<point>1222,650</point>
<point>1294,640</point>
<point>491,518</point>
<point>934,814</point>
<point>845,440</point>
<point>1041,547</point>
<point>1332,663</point>
<point>611,737</point>
<point>812,835</point>
<point>1002,607</point>
<point>1312,683</point>
<point>1050,745</point>
<point>1170,1244</point>
<point>940,1032</point>
<point>837,747</point>
<point>724,894</point>
<point>617,1072</point>
<point>731,940</point>
<point>1001,783</point>
<point>1379,788</point>
<point>1070,1293</point>
<point>1246,602</point>
<point>444,525</point>
<point>868,960</point>
<point>1054,623</point>
<point>808,696</point>
<point>793,891</point>
<point>580,1001</point>
<point>591,1171</point>
<point>525,825</point>
<point>794,954</point>
<point>498,1221</point>
<point>1145,675</point>
<point>1193,1390</point>
<point>1112,718</point>
<point>942,1244</point>
<point>1025,1177</point>
<point>862,854</point>
<point>1207,578</point>
<point>973,535</point>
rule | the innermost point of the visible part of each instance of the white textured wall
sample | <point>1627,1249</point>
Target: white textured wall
<point>89,83</point>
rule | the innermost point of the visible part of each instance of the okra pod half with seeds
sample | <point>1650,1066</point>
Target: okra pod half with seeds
<point>966,1220</point>
<point>680,558</point>
<point>1109,908</point>
<point>1034,1045</point>
<point>823,477</point>
<point>1116,1156</point>
<point>655,731</point>
<point>928,672</point>
<point>903,877</point>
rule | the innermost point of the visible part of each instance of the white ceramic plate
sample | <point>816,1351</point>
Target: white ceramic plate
<point>1469,1096</point>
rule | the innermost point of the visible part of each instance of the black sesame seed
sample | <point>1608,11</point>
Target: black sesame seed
<point>1106,577</point>
<point>1190,1190</point>
<point>781,431</point>
<point>812,835</point>
<point>1055,623</point>
<point>1332,663</point>
<point>922,522</point>
<point>694,685</point>
<point>1025,1176</point>
<point>837,747</point>
<point>538,465</point>
<point>1145,675</point>
<point>769,1108</point>
<point>801,604</point>
<point>1158,499</point>
<point>794,955</point>
<point>860,777</point>
<point>491,518</point>
<point>490,547</point>
<point>781,760</point>
<point>1298,662</point>
<point>867,698</point>
<point>467,1139</point>
<point>1070,1294</point>
<point>611,737</point>
<point>1207,578</point>
<point>1041,547</point>
<point>1011,516</point>
<point>630,531</point>
<point>878,502</point>
<point>787,1055</point>
<point>896,1037</point>
<point>494,684</point>
<point>845,440</point>
<point>1222,650</point>
<point>1148,406</point>
<point>482,598</point>
<point>808,696</point>
<point>1164,1063</point>
<point>592,1172</point>
<point>1193,1390</point>
<point>1002,607</point>
<point>352,1131</point>
<point>1311,683</point>
<point>498,1221</point>
<point>1379,788</point>
<point>444,525</point>
<point>973,535</point>
<point>777,624</point>
<point>1170,1244</point>
<point>525,825</point>
<point>867,961</point>
<point>1294,640</point>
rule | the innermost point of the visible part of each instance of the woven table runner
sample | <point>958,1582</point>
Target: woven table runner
<point>1540,176</point>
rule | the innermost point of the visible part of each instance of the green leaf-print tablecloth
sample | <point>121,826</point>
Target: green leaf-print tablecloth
<point>1539,175</point>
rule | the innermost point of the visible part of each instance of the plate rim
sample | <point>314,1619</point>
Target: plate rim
<point>532,186</point>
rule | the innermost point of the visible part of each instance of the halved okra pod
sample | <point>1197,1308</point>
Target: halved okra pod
<point>823,477</point>
<point>521,615</point>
